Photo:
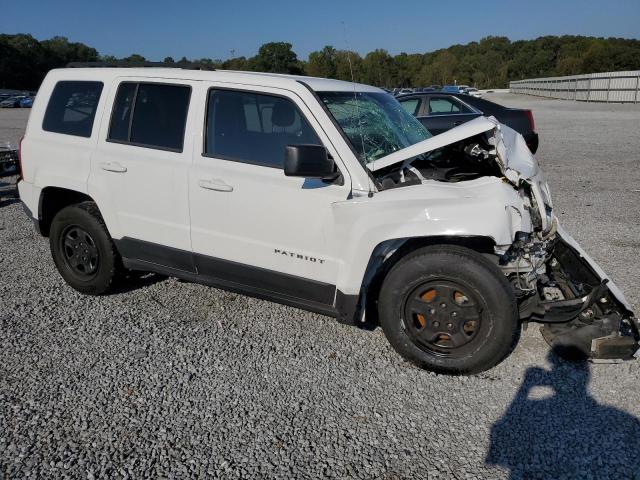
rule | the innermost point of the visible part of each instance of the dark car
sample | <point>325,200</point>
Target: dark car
<point>440,111</point>
<point>26,102</point>
<point>452,89</point>
<point>8,161</point>
<point>12,102</point>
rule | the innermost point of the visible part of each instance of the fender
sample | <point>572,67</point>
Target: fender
<point>487,207</point>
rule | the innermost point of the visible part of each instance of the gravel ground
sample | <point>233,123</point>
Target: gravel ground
<point>170,379</point>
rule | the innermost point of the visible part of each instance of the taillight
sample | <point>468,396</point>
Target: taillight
<point>20,174</point>
<point>531,122</point>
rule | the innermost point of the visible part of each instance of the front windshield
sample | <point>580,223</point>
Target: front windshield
<point>375,123</point>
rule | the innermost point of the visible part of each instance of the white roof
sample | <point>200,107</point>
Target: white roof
<point>249,78</point>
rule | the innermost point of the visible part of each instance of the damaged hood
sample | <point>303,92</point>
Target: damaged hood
<point>513,155</point>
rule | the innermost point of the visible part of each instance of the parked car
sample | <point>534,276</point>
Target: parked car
<point>8,159</point>
<point>423,90</point>
<point>474,92</point>
<point>404,91</point>
<point>11,102</point>
<point>17,101</point>
<point>26,102</point>
<point>440,112</point>
<point>451,89</point>
<point>316,193</point>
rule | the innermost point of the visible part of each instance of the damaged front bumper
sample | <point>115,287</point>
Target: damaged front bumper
<point>584,313</point>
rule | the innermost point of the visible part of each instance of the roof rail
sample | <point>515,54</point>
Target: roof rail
<point>122,64</point>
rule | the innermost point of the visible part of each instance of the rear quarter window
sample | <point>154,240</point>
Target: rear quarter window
<point>72,108</point>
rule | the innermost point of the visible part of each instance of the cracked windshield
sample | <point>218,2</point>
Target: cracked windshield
<point>375,123</point>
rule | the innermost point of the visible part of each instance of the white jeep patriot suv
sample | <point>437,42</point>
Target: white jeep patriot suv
<point>320,194</point>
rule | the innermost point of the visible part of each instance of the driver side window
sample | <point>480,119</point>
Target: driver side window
<point>254,128</point>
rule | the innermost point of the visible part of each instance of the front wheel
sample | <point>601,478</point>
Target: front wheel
<point>448,309</point>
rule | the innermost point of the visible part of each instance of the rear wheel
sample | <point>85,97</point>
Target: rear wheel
<point>83,250</point>
<point>448,309</point>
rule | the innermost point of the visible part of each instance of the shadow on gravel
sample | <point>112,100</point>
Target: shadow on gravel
<point>136,280</point>
<point>5,202</point>
<point>8,193</point>
<point>555,429</point>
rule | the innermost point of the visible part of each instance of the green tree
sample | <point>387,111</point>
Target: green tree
<point>378,68</point>
<point>348,62</point>
<point>276,57</point>
<point>490,62</point>
<point>238,63</point>
<point>134,58</point>
<point>322,63</point>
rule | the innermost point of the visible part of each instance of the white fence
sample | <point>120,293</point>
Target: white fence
<point>623,87</point>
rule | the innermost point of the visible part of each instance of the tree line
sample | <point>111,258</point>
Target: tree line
<point>489,63</point>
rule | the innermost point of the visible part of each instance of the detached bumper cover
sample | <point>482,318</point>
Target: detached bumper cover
<point>597,322</point>
<point>611,286</point>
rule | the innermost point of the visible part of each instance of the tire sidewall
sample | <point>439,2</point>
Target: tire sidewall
<point>472,271</point>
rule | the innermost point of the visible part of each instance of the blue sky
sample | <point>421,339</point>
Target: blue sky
<point>213,29</point>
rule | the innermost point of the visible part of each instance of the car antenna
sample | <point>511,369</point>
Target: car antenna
<point>355,99</point>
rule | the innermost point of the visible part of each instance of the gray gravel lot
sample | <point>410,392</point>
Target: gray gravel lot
<point>170,379</point>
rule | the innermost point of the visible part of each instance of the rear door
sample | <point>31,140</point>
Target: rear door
<point>440,113</point>
<point>139,170</point>
<point>252,226</point>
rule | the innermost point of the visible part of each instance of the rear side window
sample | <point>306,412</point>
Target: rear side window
<point>410,105</point>
<point>443,106</point>
<point>150,115</point>
<point>72,108</point>
<point>253,128</point>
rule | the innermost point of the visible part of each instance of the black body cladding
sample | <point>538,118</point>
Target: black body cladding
<point>257,282</point>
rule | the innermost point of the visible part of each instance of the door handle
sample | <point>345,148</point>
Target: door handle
<point>457,122</point>
<point>215,184</point>
<point>113,167</point>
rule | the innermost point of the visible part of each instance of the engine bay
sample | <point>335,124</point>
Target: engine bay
<point>461,161</point>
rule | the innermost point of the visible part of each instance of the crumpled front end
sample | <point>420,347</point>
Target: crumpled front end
<point>554,280</point>
<point>556,283</point>
<point>584,313</point>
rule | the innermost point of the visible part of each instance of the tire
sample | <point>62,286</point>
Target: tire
<point>448,309</point>
<point>83,250</point>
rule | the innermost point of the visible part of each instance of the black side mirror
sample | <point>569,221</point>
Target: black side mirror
<point>309,161</point>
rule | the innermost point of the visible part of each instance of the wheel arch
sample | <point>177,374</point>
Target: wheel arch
<point>387,254</point>
<point>54,199</point>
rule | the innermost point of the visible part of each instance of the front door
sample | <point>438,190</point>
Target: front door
<point>250,224</point>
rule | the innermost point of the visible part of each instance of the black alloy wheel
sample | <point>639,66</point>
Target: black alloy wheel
<point>80,252</point>
<point>443,317</point>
